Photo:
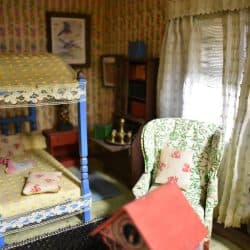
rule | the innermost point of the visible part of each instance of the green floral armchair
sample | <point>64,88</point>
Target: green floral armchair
<point>205,142</point>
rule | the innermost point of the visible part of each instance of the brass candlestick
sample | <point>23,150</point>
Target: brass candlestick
<point>120,137</point>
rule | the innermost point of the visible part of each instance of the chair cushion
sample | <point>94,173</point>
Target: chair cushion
<point>42,182</point>
<point>174,166</point>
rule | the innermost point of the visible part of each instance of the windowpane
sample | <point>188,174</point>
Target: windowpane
<point>202,96</point>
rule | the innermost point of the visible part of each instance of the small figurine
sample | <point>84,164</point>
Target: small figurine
<point>63,119</point>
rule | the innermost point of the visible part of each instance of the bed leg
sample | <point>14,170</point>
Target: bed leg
<point>2,243</point>
<point>83,150</point>
<point>85,189</point>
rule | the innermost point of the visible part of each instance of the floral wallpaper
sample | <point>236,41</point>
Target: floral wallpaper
<point>113,24</point>
<point>130,20</point>
<point>23,29</point>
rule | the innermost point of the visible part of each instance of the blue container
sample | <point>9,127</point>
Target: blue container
<point>137,49</point>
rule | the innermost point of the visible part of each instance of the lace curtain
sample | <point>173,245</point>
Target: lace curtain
<point>204,76</point>
<point>181,8</point>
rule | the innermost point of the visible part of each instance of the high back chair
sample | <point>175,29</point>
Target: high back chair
<point>200,141</point>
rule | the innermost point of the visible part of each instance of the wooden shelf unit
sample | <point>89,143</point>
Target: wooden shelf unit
<point>136,92</point>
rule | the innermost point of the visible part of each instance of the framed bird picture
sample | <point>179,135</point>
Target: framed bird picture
<point>69,37</point>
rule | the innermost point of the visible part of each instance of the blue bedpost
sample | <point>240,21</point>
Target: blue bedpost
<point>32,115</point>
<point>1,241</point>
<point>5,128</point>
<point>83,147</point>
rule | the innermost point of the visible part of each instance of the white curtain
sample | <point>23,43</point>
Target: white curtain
<point>234,174</point>
<point>212,84</point>
<point>173,66</point>
<point>180,8</point>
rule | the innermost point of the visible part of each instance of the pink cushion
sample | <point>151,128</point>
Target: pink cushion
<point>11,145</point>
<point>42,182</point>
<point>16,167</point>
<point>174,166</point>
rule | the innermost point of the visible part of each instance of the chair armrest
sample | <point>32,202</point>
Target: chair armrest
<point>212,186</point>
<point>142,185</point>
<point>211,202</point>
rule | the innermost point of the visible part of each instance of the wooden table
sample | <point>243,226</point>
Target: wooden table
<point>117,161</point>
<point>110,147</point>
<point>63,145</point>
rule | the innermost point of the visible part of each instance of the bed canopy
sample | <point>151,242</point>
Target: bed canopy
<point>28,80</point>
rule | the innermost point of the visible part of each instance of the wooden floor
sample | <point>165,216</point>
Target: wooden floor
<point>237,236</point>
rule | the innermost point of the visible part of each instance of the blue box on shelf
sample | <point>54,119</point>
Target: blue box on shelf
<point>137,49</point>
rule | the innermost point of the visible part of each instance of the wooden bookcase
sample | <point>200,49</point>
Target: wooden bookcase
<point>135,101</point>
<point>136,92</point>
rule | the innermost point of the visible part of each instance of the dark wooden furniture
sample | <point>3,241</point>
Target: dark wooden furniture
<point>63,145</point>
<point>136,91</point>
<point>135,101</point>
<point>122,162</point>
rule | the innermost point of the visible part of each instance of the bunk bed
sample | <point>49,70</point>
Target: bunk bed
<point>30,81</point>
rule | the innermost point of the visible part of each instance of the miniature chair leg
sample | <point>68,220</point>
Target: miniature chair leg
<point>2,243</point>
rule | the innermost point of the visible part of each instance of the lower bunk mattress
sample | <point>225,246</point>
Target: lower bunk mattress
<point>13,202</point>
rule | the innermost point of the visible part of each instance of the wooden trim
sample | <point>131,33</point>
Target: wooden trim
<point>233,234</point>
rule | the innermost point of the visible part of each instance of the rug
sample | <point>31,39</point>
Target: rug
<point>69,238</point>
<point>76,237</point>
<point>100,186</point>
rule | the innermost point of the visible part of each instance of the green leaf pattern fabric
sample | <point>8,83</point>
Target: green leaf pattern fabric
<point>205,142</point>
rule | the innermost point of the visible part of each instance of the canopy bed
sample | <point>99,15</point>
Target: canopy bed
<point>29,81</point>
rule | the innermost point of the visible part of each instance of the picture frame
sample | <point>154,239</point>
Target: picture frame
<point>110,67</point>
<point>68,36</point>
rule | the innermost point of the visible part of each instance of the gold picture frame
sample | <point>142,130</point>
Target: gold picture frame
<point>110,65</point>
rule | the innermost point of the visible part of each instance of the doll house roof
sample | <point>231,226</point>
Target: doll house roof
<point>163,217</point>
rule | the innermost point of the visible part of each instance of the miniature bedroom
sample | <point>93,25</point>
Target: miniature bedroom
<point>119,115</point>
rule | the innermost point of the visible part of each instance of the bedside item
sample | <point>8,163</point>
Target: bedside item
<point>42,182</point>
<point>102,131</point>
<point>63,145</point>
<point>13,167</point>
<point>63,122</point>
<point>120,137</point>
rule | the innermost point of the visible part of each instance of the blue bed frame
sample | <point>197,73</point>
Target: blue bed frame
<point>18,121</point>
<point>71,207</point>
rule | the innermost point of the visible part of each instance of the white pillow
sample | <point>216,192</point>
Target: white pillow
<point>42,182</point>
<point>174,166</point>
